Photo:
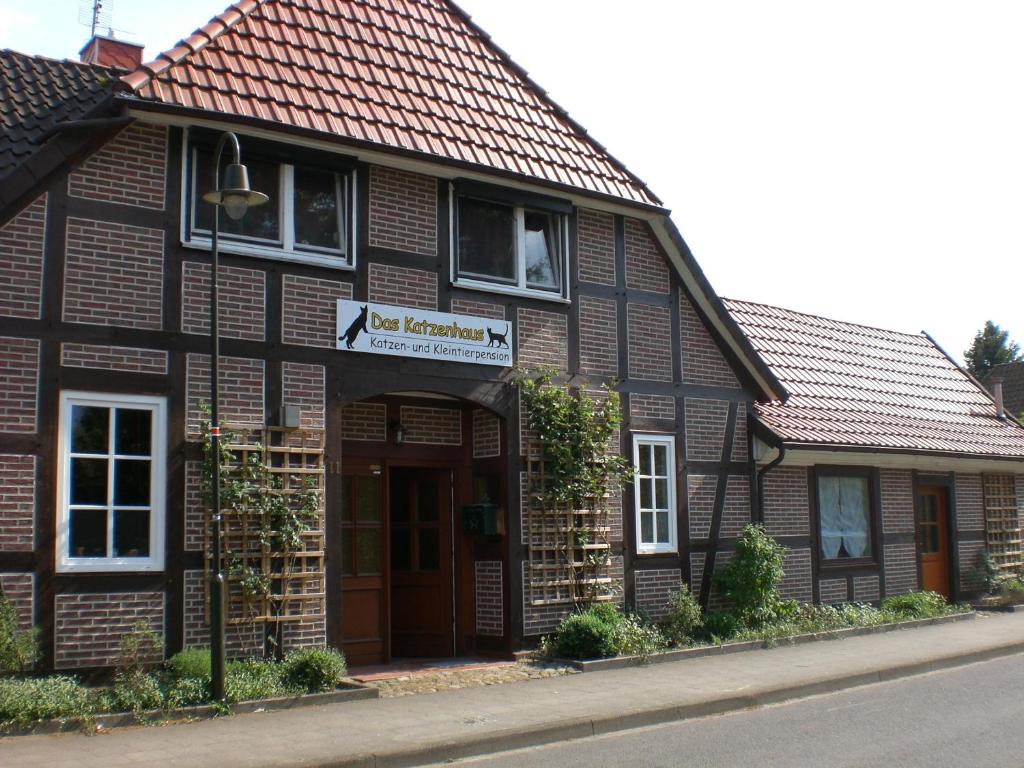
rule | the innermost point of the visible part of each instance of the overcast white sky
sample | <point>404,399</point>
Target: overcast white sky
<point>864,160</point>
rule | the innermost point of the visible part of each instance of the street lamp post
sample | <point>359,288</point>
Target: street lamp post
<point>236,198</point>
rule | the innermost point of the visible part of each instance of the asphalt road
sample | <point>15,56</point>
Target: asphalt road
<point>966,717</point>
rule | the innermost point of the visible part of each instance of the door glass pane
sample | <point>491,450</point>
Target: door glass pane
<point>346,551</point>
<point>131,533</point>
<point>645,459</point>
<point>663,528</point>
<point>89,429</point>
<point>88,533</point>
<point>430,549</point>
<point>486,240</point>
<point>347,508</point>
<point>660,460</point>
<point>542,249</point>
<point>88,481</point>
<point>399,498</point>
<point>367,499</point>
<point>647,527</point>
<point>316,209</point>
<point>401,550</point>
<point>427,500</point>
<point>646,501</point>
<point>131,482</point>
<point>368,551</point>
<point>132,432</point>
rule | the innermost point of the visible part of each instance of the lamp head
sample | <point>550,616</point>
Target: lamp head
<point>236,195</point>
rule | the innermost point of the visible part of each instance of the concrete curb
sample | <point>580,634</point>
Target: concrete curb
<point>558,731</point>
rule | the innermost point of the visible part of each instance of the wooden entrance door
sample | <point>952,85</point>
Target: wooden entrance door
<point>933,539</point>
<point>420,510</point>
<point>364,614</point>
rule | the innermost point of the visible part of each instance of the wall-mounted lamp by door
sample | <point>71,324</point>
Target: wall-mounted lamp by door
<point>398,432</point>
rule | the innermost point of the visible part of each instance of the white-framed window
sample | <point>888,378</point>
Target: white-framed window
<point>111,482</point>
<point>654,489</point>
<point>504,247</point>
<point>309,218</point>
<point>844,514</point>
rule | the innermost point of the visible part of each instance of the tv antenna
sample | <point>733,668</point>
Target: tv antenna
<point>96,14</point>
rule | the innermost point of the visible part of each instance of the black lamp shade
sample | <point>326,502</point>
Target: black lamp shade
<point>236,196</point>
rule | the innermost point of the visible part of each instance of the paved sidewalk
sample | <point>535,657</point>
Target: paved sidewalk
<point>434,727</point>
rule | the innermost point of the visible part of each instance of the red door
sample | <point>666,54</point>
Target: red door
<point>933,539</point>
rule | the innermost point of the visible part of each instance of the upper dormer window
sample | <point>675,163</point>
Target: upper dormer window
<point>509,244</point>
<point>308,217</point>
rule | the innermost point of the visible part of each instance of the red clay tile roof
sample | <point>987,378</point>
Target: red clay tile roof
<point>416,75</point>
<point>1013,386</point>
<point>851,385</point>
<point>36,93</point>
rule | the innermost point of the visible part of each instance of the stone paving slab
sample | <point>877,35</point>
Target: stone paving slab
<point>456,723</point>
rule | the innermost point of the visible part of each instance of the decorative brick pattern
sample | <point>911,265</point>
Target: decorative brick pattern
<point>89,627</point>
<point>650,346</point>
<point>310,631</point>
<point>365,421</point>
<point>865,589</point>
<point>614,506</point>
<point>697,560</point>
<point>490,605</point>
<point>652,407</point>
<point>241,640</point>
<point>403,287</point>
<point>700,494</point>
<point>833,591</point>
<point>241,301</point>
<point>739,441</point>
<point>113,274</point>
<point>654,589</point>
<point>897,501</point>
<point>19,383</point>
<point>472,308</point>
<point>736,512</point>
<point>21,262</point>
<point>599,348</point>
<point>900,568</point>
<point>705,428</point>
<point>970,502</point>
<point>595,231</point>
<point>543,340</point>
<point>129,170</point>
<point>310,310</point>
<point>17,503</point>
<point>646,267</point>
<point>195,517</point>
<point>431,426</point>
<point>970,552</point>
<point>703,361</point>
<point>302,384</point>
<point>241,392</point>
<point>716,602</point>
<point>19,589</point>
<point>786,502</point>
<point>403,211</point>
<point>796,584</point>
<point>486,434</point>
<point>127,359</point>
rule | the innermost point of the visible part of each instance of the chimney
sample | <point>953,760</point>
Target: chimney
<point>997,394</point>
<point>108,52</point>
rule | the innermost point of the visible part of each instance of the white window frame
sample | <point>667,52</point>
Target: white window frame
<point>284,249</point>
<point>158,483</point>
<point>519,288</point>
<point>669,442</point>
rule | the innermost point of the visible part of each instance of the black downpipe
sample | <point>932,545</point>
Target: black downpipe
<point>760,479</point>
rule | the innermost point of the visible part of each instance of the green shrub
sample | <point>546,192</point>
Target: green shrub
<point>256,679</point>
<point>635,637</point>
<point>188,692</point>
<point>1013,586</point>
<point>25,701</point>
<point>986,572</point>
<point>684,620</point>
<point>607,612</point>
<point>720,626</point>
<point>750,581</point>
<point>188,664</point>
<point>141,648</point>
<point>916,605</point>
<point>586,635</point>
<point>19,649</point>
<point>314,669</point>
<point>137,691</point>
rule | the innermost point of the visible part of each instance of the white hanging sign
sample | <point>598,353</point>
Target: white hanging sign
<point>381,329</point>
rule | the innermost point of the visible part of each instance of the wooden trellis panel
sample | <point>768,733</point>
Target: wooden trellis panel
<point>568,550</point>
<point>1002,522</point>
<point>292,462</point>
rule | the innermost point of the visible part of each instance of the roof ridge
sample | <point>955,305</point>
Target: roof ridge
<point>732,302</point>
<point>195,42</point>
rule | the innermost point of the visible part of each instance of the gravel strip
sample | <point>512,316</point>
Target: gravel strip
<point>432,682</point>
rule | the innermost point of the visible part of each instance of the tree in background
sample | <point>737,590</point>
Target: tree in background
<point>991,347</point>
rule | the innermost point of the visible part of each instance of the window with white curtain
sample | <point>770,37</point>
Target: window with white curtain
<point>654,488</point>
<point>844,516</point>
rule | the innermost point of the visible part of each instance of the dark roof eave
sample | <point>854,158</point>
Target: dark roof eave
<point>136,103</point>
<point>851,448</point>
